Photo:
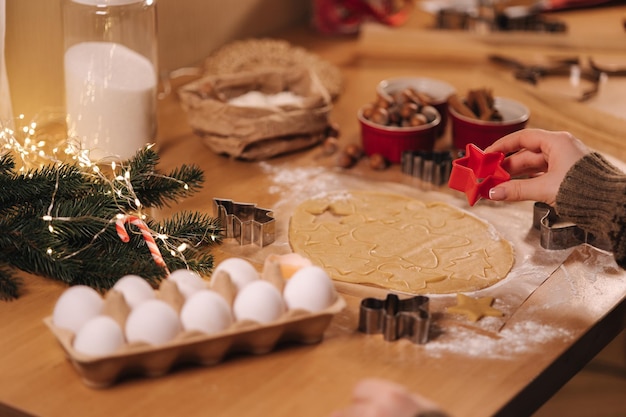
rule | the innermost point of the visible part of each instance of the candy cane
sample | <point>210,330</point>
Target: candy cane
<point>147,236</point>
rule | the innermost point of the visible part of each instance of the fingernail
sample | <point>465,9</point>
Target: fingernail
<point>497,193</point>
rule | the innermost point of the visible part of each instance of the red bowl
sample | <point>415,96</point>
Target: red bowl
<point>391,141</point>
<point>439,90</point>
<point>483,133</point>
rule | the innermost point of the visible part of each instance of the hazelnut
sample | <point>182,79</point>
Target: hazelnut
<point>380,116</point>
<point>344,160</point>
<point>383,101</point>
<point>418,119</point>
<point>330,145</point>
<point>408,109</point>
<point>354,151</point>
<point>395,118</point>
<point>378,162</point>
<point>368,111</point>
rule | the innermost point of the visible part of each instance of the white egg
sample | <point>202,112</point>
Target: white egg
<point>153,322</point>
<point>206,311</point>
<point>100,336</point>
<point>241,272</point>
<point>310,289</point>
<point>259,301</point>
<point>135,290</point>
<point>188,282</point>
<point>76,306</point>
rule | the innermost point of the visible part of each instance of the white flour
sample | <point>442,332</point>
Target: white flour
<point>258,99</point>
<point>519,338</point>
<point>110,98</point>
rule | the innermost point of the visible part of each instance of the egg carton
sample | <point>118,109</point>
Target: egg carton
<point>192,347</point>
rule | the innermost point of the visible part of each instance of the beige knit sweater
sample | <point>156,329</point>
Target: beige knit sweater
<point>593,196</point>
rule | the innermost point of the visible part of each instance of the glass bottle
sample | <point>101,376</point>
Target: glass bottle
<point>110,69</point>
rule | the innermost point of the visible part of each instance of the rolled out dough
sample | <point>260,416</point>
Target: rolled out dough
<point>399,243</point>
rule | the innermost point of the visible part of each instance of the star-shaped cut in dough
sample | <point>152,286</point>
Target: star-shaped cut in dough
<point>474,308</point>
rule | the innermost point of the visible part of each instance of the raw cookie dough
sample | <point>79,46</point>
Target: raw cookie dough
<point>399,243</point>
<point>474,308</point>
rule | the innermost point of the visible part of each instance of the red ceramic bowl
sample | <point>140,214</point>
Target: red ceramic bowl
<point>483,133</point>
<point>440,91</point>
<point>391,141</point>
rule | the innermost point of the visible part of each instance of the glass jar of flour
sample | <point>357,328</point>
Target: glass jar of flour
<point>110,67</point>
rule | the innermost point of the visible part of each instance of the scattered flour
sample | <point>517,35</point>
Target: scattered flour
<point>521,337</point>
<point>297,181</point>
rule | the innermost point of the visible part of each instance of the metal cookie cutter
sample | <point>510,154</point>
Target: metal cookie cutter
<point>396,318</point>
<point>557,234</point>
<point>432,167</point>
<point>245,222</point>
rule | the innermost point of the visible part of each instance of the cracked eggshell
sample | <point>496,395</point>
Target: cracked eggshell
<point>206,311</point>
<point>290,263</point>
<point>76,306</point>
<point>259,301</point>
<point>135,290</point>
<point>241,272</point>
<point>153,322</point>
<point>188,282</point>
<point>99,336</point>
<point>310,288</point>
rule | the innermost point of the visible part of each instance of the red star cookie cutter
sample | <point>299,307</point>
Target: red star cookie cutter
<point>477,172</point>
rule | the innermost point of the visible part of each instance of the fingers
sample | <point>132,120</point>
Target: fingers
<point>374,397</point>
<point>525,162</point>
<point>546,156</point>
<point>370,386</point>
<point>543,188</point>
<point>536,140</point>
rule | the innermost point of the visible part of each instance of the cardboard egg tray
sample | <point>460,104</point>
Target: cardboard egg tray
<point>190,347</point>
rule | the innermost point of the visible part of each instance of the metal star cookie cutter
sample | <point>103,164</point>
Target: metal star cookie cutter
<point>245,222</point>
<point>430,166</point>
<point>396,318</point>
<point>477,172</point>
<point>556,234</point>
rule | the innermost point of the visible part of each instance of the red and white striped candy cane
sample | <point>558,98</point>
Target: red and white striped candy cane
<point>145,232</point>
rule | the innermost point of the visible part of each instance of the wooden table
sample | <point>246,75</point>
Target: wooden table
<point>493,375</point>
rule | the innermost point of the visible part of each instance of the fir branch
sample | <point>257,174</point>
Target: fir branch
<point>194,228</point>
<point>202,263</point>
<point>9,284</point>
<point>59,222</point>
<point>158,190</point>
<point>66,181</point>
<point>7,164</point>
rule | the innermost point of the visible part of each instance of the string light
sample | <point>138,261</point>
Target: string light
<point>34,149</point>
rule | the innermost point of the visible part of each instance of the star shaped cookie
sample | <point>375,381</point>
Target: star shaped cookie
<point>474,308</point>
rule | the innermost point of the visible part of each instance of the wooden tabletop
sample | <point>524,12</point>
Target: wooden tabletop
<point>471,371</point>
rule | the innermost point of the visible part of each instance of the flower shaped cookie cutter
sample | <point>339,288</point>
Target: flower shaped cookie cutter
<point>396,318</point>
<point>477,172</point>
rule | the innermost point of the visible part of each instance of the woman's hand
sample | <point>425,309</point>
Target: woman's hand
<point>381,398</point>
<point>542,157</point>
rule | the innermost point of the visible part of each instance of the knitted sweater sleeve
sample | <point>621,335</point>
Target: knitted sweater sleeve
<point>593,196</point>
